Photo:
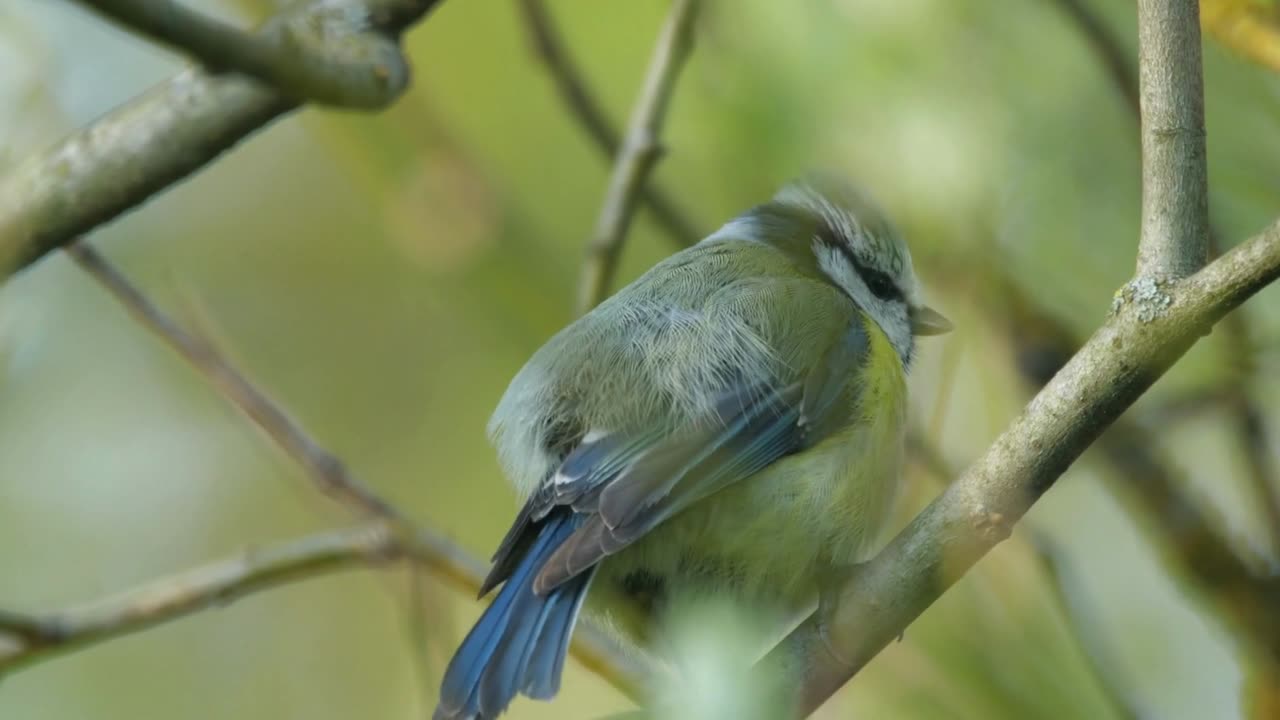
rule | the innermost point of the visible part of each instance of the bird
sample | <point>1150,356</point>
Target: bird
<point>729,425</point>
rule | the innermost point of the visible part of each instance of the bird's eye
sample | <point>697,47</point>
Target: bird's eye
<point>880,284</point>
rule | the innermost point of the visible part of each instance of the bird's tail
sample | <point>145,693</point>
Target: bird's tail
<point>520,642</point>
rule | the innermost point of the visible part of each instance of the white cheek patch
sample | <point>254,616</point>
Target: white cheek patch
<point>891,317</point>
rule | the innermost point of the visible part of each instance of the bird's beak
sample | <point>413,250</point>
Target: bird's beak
<point>927,321</point>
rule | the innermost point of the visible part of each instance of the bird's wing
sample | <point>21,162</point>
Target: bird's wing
<point>628,483</point>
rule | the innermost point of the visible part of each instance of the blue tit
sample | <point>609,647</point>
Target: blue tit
<point>729,425</point>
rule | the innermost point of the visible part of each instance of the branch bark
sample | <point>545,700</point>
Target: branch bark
<point>1237,333</point>
<point>583,107</point>
<point>1175,209</point>
<point>1123,358</point>
<point>365,70</point>
<point>639,153</point>
<point>160,138</point>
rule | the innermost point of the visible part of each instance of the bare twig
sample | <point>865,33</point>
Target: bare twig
<point>1109,48</point>
<point>1127,354</point>
<point>1087,632</point>
<point>322,466</point>
<point>638,154</point>
<point>299,59</point>
<point>444,559</point>
<point>200,588</point>
<point>586,110</point>
<point>139,149</point>
<point>1175,209</point>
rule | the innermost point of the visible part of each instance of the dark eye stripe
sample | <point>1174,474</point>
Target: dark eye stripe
<point>877,281</point>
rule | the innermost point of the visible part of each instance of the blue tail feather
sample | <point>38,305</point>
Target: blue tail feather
<point>520,641</point>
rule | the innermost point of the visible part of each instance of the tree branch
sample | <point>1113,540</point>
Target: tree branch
<point>365,70</point>
<point>161,137</point>
<point>592,648</point>
<point>1175,212</point>
<point>198,589</point>
<point>1237,333</point>
<point>1128,353</point>
<point>586,110</point>
<point>330,475</point>
<point>1109,49</point>
<point>638,154</point>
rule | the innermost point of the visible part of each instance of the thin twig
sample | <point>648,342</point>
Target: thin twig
<point>1086,631</point>
<point>446,561</point>
<point>1122,359</point>
<point>329,473</point>
<point>1175,205</point>
<point>201,588</point>
<point>158,139</point>
<point>300,59</point>
<point>639,153</point>
<point>1109,48</point>
<point>586,110</point>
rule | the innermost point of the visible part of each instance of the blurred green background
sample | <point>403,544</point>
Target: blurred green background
<point>384,276</point>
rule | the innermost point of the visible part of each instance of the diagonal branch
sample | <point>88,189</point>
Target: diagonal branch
<point>638,155</point>
<point>299,59</point>
<point>1123,358</point>
<point>1110,50</point>
<point>1081,625</point>
<point>1237,333</point>
<point>160,138</point>
<point>323,467</point>
<point>1175,210</point>
<point>592,648</point>
<point>583,107</point>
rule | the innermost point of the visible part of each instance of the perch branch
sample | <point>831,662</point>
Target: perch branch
<point>159,138</point>
<point>1175,211</point>
<point>638,154</point>
<point>1122,359</point>
<point>364,70</point>
<point>1237,333</point>
<point>583,107</point>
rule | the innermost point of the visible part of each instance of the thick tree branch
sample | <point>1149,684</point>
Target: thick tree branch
<point>158,139</point>
<point>1175,211</point>
<point>586,110</point>
<point>1125,356</point>
<point>1236,332</point>
<point>364,70</point>
<point>639,153</point>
